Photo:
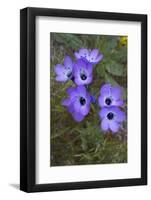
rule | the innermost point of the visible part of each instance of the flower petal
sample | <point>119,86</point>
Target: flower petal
<point>77,55</point>
<point>99,58</point>
<point>78,80</point>
<point>104,125</point>
<point>103,112</point>
<point>68,62</point>
<point>71,91</point>
<point>106,89</point>
<point>117,103</point>
<point>89,68</point>
<point>116,92</point>
<point>77,106</point>
<point>66,102</point>
<point>120,115</point>
<point>88,98</point>
<point>84,110</point>
<point>59,69</point>
<point>81,90</point>
<point>71,109</point>
<point>77,117</point>
<point>84,52</point>
<point>101,101</point>
<point>81,63</point>
<point>76,69</point>
<point>61,78</point>
<point>88,80</point>
<point>94,54</point>
<point>114,126</point>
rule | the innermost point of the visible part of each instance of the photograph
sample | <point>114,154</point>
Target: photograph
<point>88,99</point>
<point>83,101</point>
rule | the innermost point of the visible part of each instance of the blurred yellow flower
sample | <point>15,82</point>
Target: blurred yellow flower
<point>123,41</point>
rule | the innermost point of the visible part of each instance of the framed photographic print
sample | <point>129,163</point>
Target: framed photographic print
<point>83,95</point>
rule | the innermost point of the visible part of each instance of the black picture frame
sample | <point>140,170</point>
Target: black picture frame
<point>28,98</point>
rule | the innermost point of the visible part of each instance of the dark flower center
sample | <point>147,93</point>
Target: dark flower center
<point>110,115</point>
<point>108,101</point>
<point>83,77</point>
<point>82,101</point>
<point>69,74</point>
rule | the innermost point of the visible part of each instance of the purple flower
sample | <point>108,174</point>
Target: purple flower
<point>82,72</point>
<point>110,96</point>
<point>64,72</point>
<point>78,103</point>
<point>91,56</point>
<point>111,117</point>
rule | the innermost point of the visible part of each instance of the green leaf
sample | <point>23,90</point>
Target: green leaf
<point>111,44</point>
<point>68,39</point>
<point>116,69</point>
<point>93,108</point>
<point>125,94</point>
<point>120,55</point>
<point>100,70</point>
<point>108,45</point>
<point>110,80</point>
<point>87,157</point>
<point>84,144</point>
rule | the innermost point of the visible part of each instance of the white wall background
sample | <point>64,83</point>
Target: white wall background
<point>9,99</point>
